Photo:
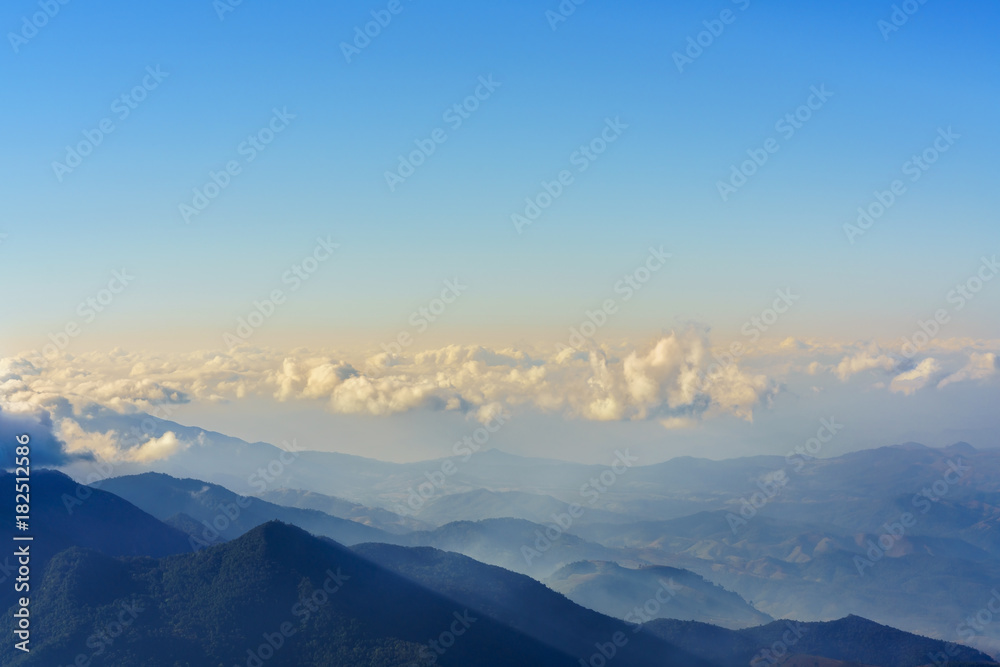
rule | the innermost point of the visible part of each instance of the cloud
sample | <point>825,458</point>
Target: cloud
<point>792,343</point>
<point>117,447</point>
<point>678,423</point>
<point>981,366</point>
<point>677,379</point>
<point>46,449</point>
<point>156,449</point>
<point>865,360</point>
<point>664,378</point>
<point>916,379</point>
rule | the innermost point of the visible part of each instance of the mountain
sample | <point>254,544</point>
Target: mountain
<point>275,596</point>
<point>375,517</point>
<point>521,546</point>
<point>223,514</point>
<point>821,572</point>
<point>486,504</point>
<point>851,639</point>
<point>64,513</point>
<point>657,491</point>
<point>237,464</point>
<point>618,591</point>
<point>524,604</point>
<point>795,557</point>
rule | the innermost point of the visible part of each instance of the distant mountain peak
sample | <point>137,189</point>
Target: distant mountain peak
<point>913,446</point>
<point>961,448</point>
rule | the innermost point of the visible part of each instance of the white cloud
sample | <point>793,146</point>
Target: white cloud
<point>865,360</point>
<point>113,446</point>
<point>915,379</point>
<point>623,382</point>
<point>678,423</point>
<point>675,380</point>
<point>981,366</point>
<point>155,449</point>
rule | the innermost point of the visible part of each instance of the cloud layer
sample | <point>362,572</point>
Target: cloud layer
<point>677,380</point>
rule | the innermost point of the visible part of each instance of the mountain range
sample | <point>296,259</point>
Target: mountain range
<point>904,535</point>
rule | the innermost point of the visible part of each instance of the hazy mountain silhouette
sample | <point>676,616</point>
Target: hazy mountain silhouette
<point>223,605</point>
<point>375,517</point>
<point>227,514</point>
<point>850,639</point>
<point>514,544</point>
<point>618,591</point>
<point>524,604</point>
<point>65,514</point>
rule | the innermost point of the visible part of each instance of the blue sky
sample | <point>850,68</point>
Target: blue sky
<point>656,185</point>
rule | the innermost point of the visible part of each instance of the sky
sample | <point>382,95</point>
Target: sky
<point>252,163</point>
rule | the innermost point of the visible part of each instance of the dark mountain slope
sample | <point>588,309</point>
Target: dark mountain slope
<point>275,596</point>
<point>65,514</point>
<point>524,604</point>
<point>228,514</point>
<point>616,591</point>
<point>850,639</point>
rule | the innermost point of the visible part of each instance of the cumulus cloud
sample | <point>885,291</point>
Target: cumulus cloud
<point>667,378</point>
<point>155,449</point>
<point>981,366</point>
<point>678,380</point>
<point>917,378</point>
<point>952,361</point>
<point>118,447</point>
<point>865,360</point>
<point>45,447</point>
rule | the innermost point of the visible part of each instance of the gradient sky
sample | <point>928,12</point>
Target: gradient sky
<point>657,185</point>
<point>323,176</point>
